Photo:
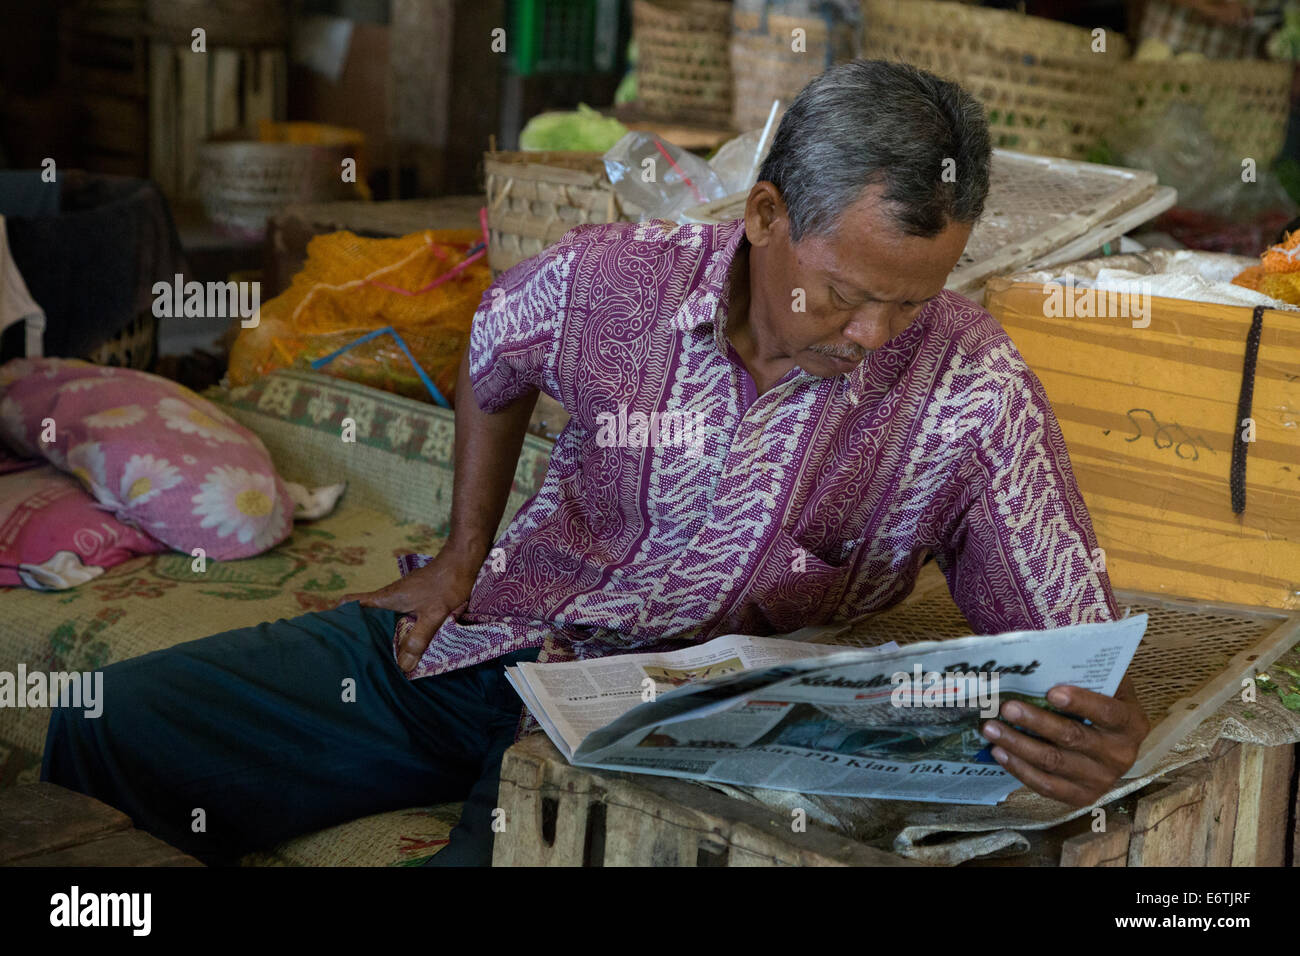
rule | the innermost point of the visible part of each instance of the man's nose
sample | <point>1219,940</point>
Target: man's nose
<point>868,331</point>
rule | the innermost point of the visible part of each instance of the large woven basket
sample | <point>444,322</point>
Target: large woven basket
<point>1245,103</point>
<point>243,182</point>
<point>1045,90</point>
<point>225,22</point>
<point>683,64</point>
<point>534,198</point>
<point>765,64</point>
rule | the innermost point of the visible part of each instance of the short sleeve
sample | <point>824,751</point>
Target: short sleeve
<point>515,337</point>
<point>1021,554</point>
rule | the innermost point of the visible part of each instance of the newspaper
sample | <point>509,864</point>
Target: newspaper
<point>888,722</point>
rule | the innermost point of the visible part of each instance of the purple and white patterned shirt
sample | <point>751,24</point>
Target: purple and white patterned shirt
<point>732,512</point>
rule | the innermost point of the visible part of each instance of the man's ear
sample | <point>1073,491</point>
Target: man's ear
<point>765,213</point>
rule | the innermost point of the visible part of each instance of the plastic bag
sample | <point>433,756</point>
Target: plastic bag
<point>662,179</point>
<point>735,162</point>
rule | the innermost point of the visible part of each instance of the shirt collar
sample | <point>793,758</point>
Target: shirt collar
<point>707,302</point>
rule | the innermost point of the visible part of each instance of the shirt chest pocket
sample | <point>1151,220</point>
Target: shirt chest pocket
<point>833,549</point>
<point>801,587</point>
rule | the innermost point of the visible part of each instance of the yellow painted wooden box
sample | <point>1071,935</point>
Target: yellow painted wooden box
<point>1149,413</point>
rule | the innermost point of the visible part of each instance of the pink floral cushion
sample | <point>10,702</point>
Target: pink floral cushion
<point>53,535</point>
<point>151,451</point>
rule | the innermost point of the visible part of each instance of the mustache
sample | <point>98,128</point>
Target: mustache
<point>849,353</point>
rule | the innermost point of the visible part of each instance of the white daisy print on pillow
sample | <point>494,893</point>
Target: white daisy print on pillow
<point>240,503</point>
<point>145,477</point>
<point>119,417</point>
<point>185,418</point>
<point>86,462</point>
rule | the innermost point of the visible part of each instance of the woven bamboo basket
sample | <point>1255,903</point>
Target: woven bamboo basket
<point>765,64</point>
<point>534,198</point>
<point>683,62</point>
<point>1045,89</point>
<point>226,22</point>
<point>1245,103</point>
<point>243,182</point>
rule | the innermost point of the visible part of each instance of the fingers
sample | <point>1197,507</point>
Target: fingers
<point>1106,713</point>
<point>390,598</point>
<point>1073,762</point>
<point>413,645</point>
<point>1040,781</point>
<point>1051,770</point>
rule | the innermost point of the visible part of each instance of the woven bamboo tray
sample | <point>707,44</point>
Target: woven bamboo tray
<point>683,64</point>
<point>1044,89</point>
<point>535,198</point>
<point>1245,103</point>
<point>766,67</point>
<point>1035,205</point>
<point>1192,658</point>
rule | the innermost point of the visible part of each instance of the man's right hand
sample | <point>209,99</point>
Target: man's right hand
<point>433,592</point>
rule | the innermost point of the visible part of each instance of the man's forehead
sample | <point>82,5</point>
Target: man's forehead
<point>876,256</point>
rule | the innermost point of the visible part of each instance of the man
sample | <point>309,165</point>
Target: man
<point>853,418</point>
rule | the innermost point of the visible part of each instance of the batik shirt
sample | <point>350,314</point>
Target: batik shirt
<point>680,505</point>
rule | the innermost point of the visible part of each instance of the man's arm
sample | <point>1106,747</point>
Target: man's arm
<point>1023,556</point>
<point>487,451</point>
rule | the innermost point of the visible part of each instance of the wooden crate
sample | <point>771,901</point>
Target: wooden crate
<point>1150,416</point>
<point>1230,809</point>
<point>560,815</point>
<point>195,95</point>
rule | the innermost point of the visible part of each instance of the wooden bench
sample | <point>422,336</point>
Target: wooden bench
<point>44,824</point>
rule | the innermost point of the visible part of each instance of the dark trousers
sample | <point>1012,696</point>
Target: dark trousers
<point>286,728</point>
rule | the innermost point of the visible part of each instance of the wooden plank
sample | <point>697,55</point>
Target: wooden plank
<point>225,90</point>
<point>192,105</point>
<point>1221,800</point>
<point>544,822</point>
<point>1110,847</point>
<point>638,831</point>
<point>259,86</point>
<point>44,817</point>
<point>164,82</point>
<point>129,848</point>
<point>1169,824</point>
<point>1264,803</point>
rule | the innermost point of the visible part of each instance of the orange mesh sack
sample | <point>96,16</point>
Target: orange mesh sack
<point>349,286</point>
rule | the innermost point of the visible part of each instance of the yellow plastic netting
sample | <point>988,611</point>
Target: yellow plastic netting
<point>350,286</point>
<point>1278,272</point>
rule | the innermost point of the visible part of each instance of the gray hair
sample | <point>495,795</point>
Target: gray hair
<point>875,121</point>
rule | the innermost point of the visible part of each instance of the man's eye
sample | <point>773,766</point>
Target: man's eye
<point>838,300</point>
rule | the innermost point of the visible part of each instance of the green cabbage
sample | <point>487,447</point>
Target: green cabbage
<point>584,129</point>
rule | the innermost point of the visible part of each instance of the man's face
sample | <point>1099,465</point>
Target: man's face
<point>861,285</point>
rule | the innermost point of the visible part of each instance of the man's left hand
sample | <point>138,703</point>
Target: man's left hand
<point>1074,762</point>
